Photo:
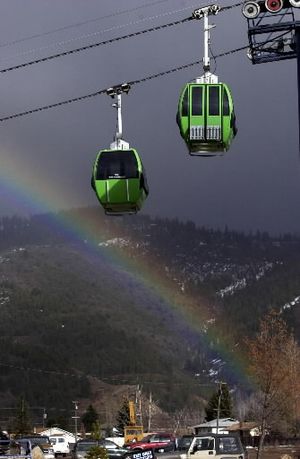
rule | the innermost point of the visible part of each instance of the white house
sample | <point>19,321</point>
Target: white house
<point>215,426</point>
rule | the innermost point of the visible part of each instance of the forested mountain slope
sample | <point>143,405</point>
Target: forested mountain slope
<point>119,300</point>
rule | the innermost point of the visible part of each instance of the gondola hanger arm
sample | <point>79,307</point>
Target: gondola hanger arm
<point>118,89</point>
<point>206,10</point>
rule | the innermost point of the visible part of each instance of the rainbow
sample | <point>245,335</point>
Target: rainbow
<point>28,194</point>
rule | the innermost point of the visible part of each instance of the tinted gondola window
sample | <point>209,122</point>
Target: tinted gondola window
<point>197,108</point>
<point>214,101</point>
<point>225,103</point>
<point>117,164</point>
<point>185,103</point>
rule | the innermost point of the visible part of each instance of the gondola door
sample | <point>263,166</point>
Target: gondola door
<point>213,108</point>
<point>205,118</point>
<point>197,115</point>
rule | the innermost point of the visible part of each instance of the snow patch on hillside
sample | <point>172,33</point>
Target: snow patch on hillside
<point>115,242</point>
<point>290,304</point>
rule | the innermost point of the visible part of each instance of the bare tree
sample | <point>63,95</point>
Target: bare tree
<point>274,365</point>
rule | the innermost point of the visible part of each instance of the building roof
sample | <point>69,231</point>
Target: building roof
<point>56,431</point>
<point>243,426</point>
<point>224,422</point>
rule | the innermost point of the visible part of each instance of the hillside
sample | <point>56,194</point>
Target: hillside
<point>133,300</point>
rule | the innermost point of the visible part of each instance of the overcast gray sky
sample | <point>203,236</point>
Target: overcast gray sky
<point>46,158</point>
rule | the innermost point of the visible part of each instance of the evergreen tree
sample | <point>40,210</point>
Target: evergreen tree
<point>219,403</point>
<point>89,418</point>
<point>96,433</point>
<point>123,418</point>
<point>22,423</point>
<point>97,452</point>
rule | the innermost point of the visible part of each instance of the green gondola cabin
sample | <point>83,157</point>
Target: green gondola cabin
<point>119,181</point>
<point>206,118</point>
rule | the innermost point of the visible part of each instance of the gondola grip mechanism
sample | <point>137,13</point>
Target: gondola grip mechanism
<point>201,12</point>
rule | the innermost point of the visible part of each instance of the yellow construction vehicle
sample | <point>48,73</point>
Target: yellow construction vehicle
<point>132,432</point>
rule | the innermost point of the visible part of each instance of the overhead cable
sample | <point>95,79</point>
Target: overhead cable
<point>230,7</point>
<point>103,91</point>
<point>95,45</point>
<point>78,24</point>
<point>109,41</point>
<point>99,32</point>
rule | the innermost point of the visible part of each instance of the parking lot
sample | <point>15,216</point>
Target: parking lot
<point>276,452</point>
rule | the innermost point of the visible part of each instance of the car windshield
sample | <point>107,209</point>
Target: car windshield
<point>204,444</point>
<point>185,442</point>
<point>229,445</point>
<point>38,440</point>
<point>85,446</point>
<point>147,438</point>
<point>109,444</point>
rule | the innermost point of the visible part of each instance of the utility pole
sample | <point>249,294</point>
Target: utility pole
<point>219,404</point>
<point>149,413</point>
<point>44,417</point>
<point>75,417</point>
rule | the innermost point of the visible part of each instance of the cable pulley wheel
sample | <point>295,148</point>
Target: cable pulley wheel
<point>274,6</point>
<point>295,3</point>
<point>251,10</point>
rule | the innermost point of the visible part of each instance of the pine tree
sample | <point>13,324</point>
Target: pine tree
<point>89,418</point>
<point>22,423</point>
<point>96,432</point>
<point>123,416</point>
<point>97,452</point>
<point>219,403</point>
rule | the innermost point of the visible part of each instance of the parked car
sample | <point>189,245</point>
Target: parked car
<point>4,446</point>
<point>184,442</point>
<point>159,442</point>
<point>207,445</point>
<point>60,445</point>
<point>114,451</point>
<point>23,448</point>
<point>42,441</point>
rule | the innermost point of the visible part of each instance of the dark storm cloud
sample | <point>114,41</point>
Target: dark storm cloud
<point>255,185</point>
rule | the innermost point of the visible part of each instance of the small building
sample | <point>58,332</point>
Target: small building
<point>215,426</point>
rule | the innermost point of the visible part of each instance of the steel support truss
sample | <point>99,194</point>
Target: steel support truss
<point>272,37</point>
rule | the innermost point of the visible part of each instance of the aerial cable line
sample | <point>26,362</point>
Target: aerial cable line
<point>95,45</point>
<point>58,104</point>
<point>131,83</point>
<point>104,91</point>
<point>100,32</point>
<point>78,24</point>
<point>109,41</point>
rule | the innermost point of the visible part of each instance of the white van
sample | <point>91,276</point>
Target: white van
<point>60,445</point>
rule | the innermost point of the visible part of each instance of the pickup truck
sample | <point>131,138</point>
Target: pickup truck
<point>221,446</point>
